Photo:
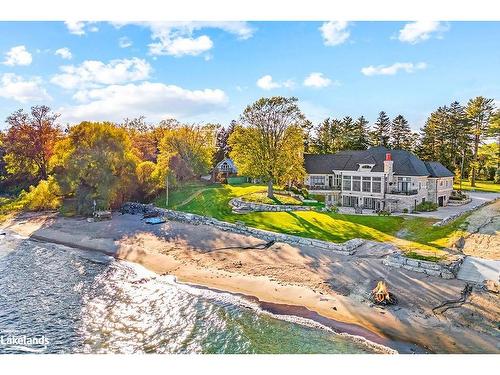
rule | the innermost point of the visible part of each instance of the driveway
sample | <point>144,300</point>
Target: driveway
<point>478,198</point>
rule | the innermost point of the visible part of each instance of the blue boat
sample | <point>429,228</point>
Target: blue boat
<point>155,220</point>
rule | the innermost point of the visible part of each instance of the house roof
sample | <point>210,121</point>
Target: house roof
<point>405,163</point>
<point>228,161</point>
<point>436,169</point>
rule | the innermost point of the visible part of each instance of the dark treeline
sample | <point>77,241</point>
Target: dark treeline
<point>454,135</point>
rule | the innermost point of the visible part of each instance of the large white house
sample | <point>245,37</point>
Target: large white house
<point>378,179</point>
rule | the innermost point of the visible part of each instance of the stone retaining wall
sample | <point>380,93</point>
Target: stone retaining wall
<point>446,271</point>
<point>448,219</point>
<point>347,248</point>
<point>240,204</point>
<point>455,203</point>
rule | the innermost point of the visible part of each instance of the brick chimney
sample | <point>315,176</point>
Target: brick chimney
<point>388,164</point>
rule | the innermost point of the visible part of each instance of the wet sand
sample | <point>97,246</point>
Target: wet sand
<point>307,280</point>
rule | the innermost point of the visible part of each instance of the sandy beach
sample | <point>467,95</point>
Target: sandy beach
<point>333,286</point>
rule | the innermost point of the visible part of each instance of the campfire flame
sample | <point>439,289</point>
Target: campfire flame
<point>381,295</point>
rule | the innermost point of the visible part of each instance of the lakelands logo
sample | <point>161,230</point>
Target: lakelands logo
<point>23,340</point>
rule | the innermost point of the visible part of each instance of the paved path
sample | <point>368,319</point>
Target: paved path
<point>478,198</point>
<point>477,270</point>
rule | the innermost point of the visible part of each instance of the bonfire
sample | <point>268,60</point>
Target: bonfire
<point>381,296</point>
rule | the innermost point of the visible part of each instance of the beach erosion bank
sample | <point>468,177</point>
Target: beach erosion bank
<point>306,279</point>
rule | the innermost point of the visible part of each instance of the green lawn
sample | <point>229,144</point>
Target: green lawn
<point>261,197</point>
<point>487,186</point>
<point>413,234</point>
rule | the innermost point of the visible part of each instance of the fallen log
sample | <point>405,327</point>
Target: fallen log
<point>450,304</point>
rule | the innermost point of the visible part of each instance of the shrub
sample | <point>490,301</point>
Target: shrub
<point>405,210</point>
<point>334,209</point>
<point>304,193</point>
<point>497,176</point>
<point>383,213</point>
<point>426,207</point>
<point>44,196</point>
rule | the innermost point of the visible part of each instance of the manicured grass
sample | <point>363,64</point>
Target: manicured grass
<point>261,197</point>
<point>486,186</point>
<point>415,235</point>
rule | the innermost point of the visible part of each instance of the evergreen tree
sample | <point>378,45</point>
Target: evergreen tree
<point>382,130</point>
<point>401,136</point>
<point>329,137</point>
<point>347,136</point>
<point>478,112</point>
<point>307,128</point>
<point>361,139</point>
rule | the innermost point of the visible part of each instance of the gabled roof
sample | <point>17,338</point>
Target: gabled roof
<point>228,161</point>
<point>436,169</point>
<point>404,162</point>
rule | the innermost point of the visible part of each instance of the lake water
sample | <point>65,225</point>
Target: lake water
<point>87,302</point>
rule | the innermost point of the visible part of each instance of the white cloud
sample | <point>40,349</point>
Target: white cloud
<point>18,56</point>
<point>419,31</point>
<point>124,42</point>
<point>65,53</point>
<point>79,27</point>
<point>392,69</point>
<point>317,80</point>
<point>178,39</point>
<point>266,83</point>
<point>153,100</point>
<point>22,90</point>
<point>75,27</point>
<point>93,72</point>
<point>334,32</point>
<point>182,46</point>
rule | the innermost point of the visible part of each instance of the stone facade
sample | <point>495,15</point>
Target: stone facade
<point>346,248</point>
<point>439,190</point>
<point>417,191</point>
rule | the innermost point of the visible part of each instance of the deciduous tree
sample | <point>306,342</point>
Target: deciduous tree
<point>29,141</point>
<point>269,144</point>
<point>95,162</point>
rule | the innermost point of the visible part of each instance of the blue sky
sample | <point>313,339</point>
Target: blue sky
<point>209,72</point>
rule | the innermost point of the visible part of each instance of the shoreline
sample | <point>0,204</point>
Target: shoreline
<point>356,332</point>
<point>289,286</point>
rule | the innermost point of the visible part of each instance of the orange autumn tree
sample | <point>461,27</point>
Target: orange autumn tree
<point>29,142</point>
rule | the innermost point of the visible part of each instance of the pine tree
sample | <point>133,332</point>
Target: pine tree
<point>401,136</point>
<point>478,111</point>
<point>382,130</point>
<point>361,139</point>
<point>329,137</point>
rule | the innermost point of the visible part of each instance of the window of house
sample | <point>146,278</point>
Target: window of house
<point>367,184</point>
<point>356,183</point>
<point>338,180</point>
<point>376,184</point>
<point>440,183</point>
<point>317,180</point>
<point>404,183</point>
<point>348,201</point>
<point>346,183</point>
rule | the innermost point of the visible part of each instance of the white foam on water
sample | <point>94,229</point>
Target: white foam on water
<point>229,298</point>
